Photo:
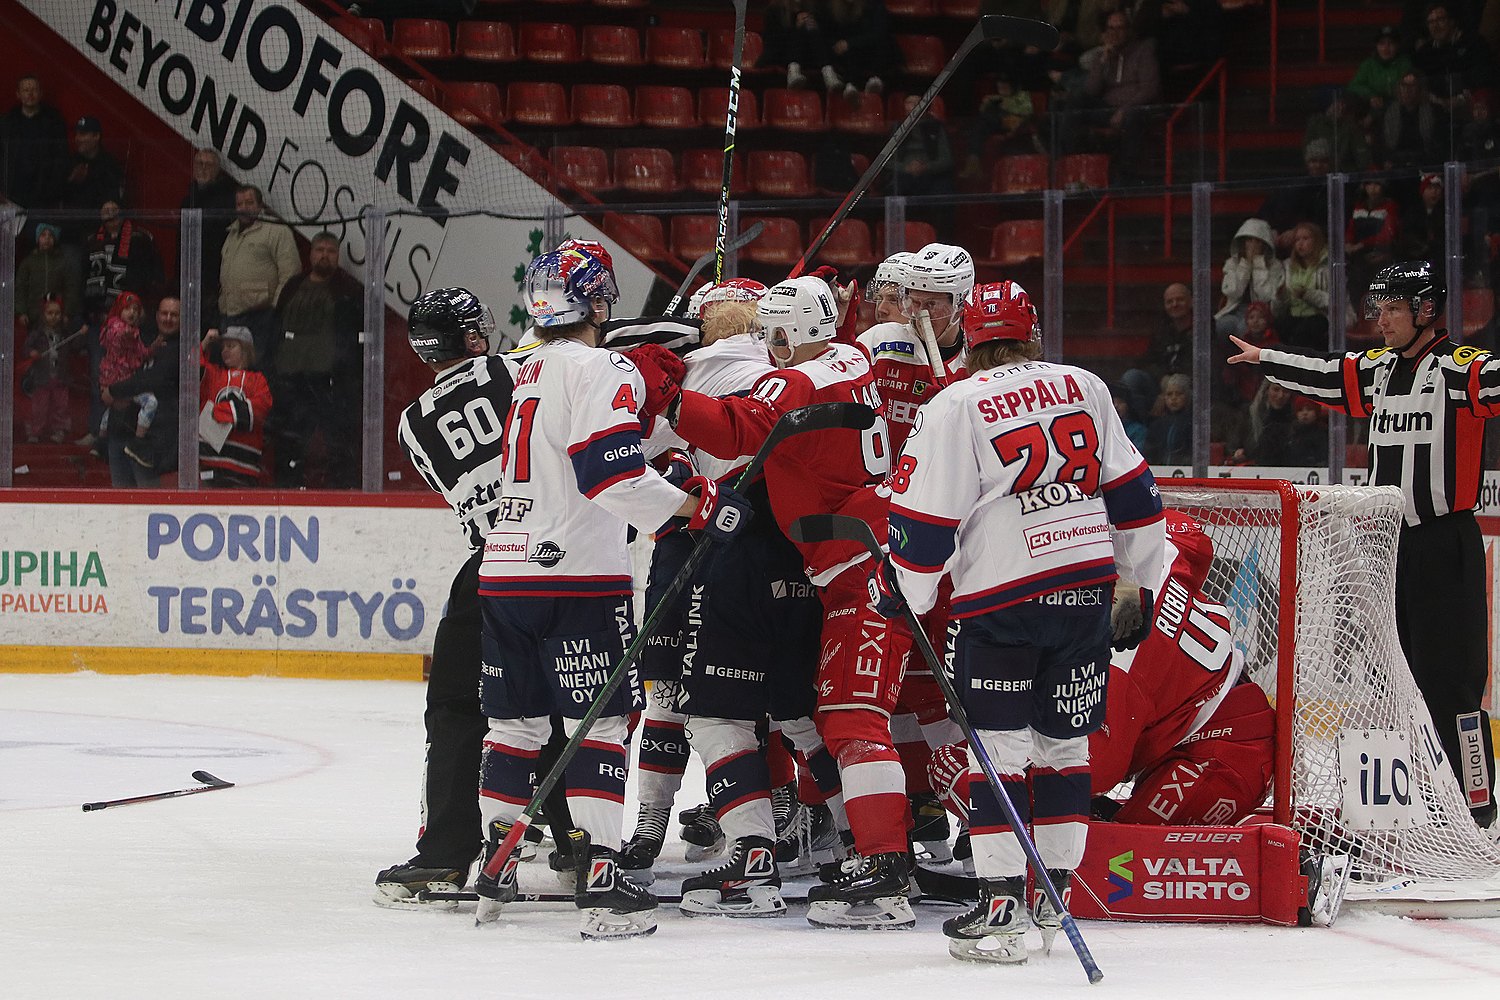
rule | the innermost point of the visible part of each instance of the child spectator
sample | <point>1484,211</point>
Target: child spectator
<point>1370,238</point>
<point>1008,114</point>
<point>1375,80</point>
<point>1251,274</point>
<point>1302,443</point>
<point>1424,235</point>
<point>235,403</point>
<point>48,272</point>
<point>1306,291</point>
<point>48,346</point>
<point>124,352</point>
<point>1243,380</point>
<point>1344,134</point>
<point>1270,423</point>
<point>1135,426</point>
<point>1169,439</point>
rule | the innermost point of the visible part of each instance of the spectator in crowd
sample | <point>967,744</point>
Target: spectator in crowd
<point>1169,439</point>
<point>1130,415</point>
<point>1270,422</point>
<point>142,430</point>
<point>93,177</point>
<point>213,192</point>
<point>1375,81</point>
<point>259,257</point>
<point>46,273</point>
<point>1370,239</point>
<point>121,258</point>
<point>859,37</point>
<point>1007,114</point>
<point>122,352</point>
<point>1189,37</point>
<point>793,38</point>
<point>319,364</point>
<point>1122,76</point>
<point>1079,23</point>
<point>1341,130</point>
<point>236,400</point>
<point>1424,232</point>
<point>1303,200</point>
<point>1251,274</point>
<point>1259,331</point>
<point>1171,349</point>
<point>48,348</point>
<point>1301,443</point>
<point>1305,294</point>
<point>1451,60</point>
<point>35,142</point>
<point>924,162</point>
<point>1480,138</point>
<point>1413,131</point>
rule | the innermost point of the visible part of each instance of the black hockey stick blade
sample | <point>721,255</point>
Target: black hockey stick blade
<point>834,528</point>
<point>822,417</point>
<point>744,239</point>
<point>1020,30</point>
<point>210,784</point>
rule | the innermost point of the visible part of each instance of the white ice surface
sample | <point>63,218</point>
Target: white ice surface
<point>263,890</point>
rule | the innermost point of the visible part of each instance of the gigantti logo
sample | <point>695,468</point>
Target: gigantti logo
<point>1121,877</point>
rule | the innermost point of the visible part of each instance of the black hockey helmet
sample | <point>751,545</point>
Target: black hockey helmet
<point>442,321</point>
<point>1411,281</point>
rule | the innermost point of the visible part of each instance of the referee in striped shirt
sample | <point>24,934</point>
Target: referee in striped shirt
<point>1427,401</point>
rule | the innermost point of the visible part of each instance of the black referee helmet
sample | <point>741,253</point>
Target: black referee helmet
<point>1415,282</point>
<point>447,324</point>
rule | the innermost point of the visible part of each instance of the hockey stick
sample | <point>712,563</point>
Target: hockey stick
<point>731,118</point>
<point>820,416</point>
<point>744,239</point>
<point>834,527</point>
<point>210,784</point>
<point>991,27</point>
<point>923,323</point>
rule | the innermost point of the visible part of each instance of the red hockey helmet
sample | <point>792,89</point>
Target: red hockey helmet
<point>1000,310</point>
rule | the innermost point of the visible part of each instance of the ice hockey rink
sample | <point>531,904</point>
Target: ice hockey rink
<point>263,890</point>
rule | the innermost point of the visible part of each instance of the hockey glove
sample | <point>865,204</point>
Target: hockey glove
<point>663,373</point>
<point>885,592</point>
<point>1130,617</point>
<point>945,772</point>
<point>721,512</point>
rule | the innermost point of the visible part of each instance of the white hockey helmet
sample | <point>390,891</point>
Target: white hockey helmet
<point>892,271</point>
<point>795,312</point>
<point>729,290</point>
<point>695,301</point>
<point>941,267</point>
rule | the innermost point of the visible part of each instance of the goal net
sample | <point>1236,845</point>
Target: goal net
<point>1308,575</point>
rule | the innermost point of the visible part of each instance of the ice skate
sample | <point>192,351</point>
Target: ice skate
<point>1327,880</point>
<point>495,892</point>
<point>963,851</point>
<point>870,895</point>
<point>701,833</point>
<point>745,885</point>
<point>811,840</point>
<point>401,886</point>
<point>929,830</point>
<point>612,905</point>
<point>638,859</point>
<point>1043,913</point>
<point>995,929</point>
<point>560,860</point>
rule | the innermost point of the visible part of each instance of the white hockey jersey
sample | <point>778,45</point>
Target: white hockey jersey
<point>903,375</point>
<point>726,367</point>
<point>1012,480</point>
<point>573,474</point>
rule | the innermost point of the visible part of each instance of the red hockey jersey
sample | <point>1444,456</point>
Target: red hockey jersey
<point>903,375</point>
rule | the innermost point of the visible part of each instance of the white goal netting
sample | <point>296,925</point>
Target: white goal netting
<point>1308,574</point>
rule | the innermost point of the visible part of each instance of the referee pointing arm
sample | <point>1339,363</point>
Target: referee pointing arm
<point>1427,401</point>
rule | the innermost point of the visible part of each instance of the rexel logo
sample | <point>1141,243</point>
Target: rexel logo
<point>1121,877</point>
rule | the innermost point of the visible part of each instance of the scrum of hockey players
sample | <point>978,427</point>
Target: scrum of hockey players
<point>1025,531</point>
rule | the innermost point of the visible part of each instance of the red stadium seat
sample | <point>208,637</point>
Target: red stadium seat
<point>1083,170</point>
<point>919,234</point>
<point>538,104</point>
<point>967,9</point>
<point>1017,242</point>
<point>713,103</point>
<point>849,244</point>
<point>646,170</point>
<point>549,43</point>
<point>486,41</point>
<point>1479,309</point>
<point>675,48</point>
<point>721,49</point>
<point>605,105</point>
<point>421,38</point>
<point>665,107</point>
<point>703,171</point>
<point>779,173</point>
<point>781,243</point>
<point>612,45</point>
<point>693,235</point>
<point>911,8</point>
<point>366,32</point>
<point>427,89</point>
<point>1020,173</point>
<point>865,114</point>
<point>476,104</point>
<point>924,55</point>
<point>585,167</point>
<point>794,110</point>
<point>527,160</point>
<point>640,235</point>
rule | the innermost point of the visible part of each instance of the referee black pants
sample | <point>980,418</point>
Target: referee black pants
<point>456,727</point>
<point>1442,621</point>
